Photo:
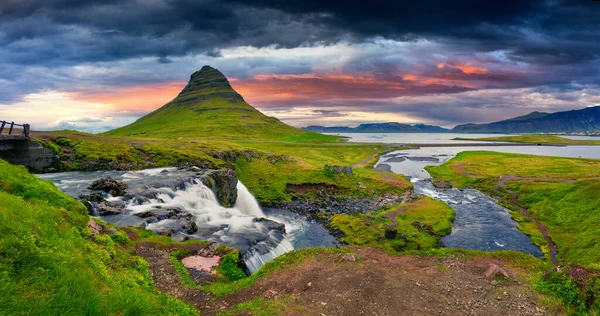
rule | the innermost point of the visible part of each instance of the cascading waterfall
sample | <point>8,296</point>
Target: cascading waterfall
<point>246,203</point>
<point>175,202</point>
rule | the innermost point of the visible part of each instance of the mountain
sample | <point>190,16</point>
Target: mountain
<point>379,128</point>
<point>209,107</point>
<point>583,120</point>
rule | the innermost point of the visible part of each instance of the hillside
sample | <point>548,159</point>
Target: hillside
<point>391,127</point>
<point>583,120</point>
<point>209,107</point>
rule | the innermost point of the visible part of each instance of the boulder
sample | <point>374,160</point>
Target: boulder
<point>271,225</point>
<point>442,184</point>
<point>223,183</point>
<point>109,186</point>
<point>347,170</point>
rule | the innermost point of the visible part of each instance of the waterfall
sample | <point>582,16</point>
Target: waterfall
<point>169,200</point>
<point>246,203</point>
<point>256,260</point>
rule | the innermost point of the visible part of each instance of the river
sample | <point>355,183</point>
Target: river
<point>162,190</point>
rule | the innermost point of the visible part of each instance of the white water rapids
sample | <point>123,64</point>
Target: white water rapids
<point>244,226</point>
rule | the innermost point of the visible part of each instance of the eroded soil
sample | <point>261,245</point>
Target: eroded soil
<point>370,282</point>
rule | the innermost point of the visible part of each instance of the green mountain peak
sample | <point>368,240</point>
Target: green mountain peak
<point>209,107</point>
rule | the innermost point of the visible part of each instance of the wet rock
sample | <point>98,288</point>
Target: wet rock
<point>347,170</point>
<point>442,184</point>
<point>180,224</point>
<point>109,186</point>
<point>271,225</point>
<point>105,208</point>
<point>384,167</point>
<point>396,159</point>
<point>223,183</point>
<point>158,214</point>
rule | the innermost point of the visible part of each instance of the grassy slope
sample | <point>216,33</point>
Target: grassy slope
<point>537,139</point>
<point>51,265</point>
<point>369,229</point>
<point>570,210</point>
<point>209,107</point>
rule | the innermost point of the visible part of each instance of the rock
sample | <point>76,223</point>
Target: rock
<point>271,225</point>
<point>180,224</point>
<point>105,208</point>
<point>94,227</point>
<point>391,232</point>
<point>109,186</point>
<point>442,184</point>
<point>158,214</point>
<point>347,170</point>
<point>223,183</point>
<point>384,167</point>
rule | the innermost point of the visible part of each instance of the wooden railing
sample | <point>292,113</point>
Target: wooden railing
<point>11,125</point>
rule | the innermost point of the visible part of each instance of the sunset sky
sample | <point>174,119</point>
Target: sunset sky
<point>98,64</point>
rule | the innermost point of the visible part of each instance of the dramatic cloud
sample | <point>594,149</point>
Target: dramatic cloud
<point>102,63</point>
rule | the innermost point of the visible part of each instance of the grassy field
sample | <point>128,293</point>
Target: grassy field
<point>560,192</point>
<point>370,229</point>
<point>265,167</point>
<point>538,139</point>
<point>51,264</point>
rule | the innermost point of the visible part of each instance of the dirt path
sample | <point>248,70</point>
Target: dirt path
<point>514,202</point>
<point>392,215</point>
<point>364,162</point>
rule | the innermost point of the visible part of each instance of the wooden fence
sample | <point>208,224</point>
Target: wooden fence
<point>11,128</point>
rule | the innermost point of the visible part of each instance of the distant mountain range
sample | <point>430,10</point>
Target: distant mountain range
<point>584,120</point>
<point>379,128</point>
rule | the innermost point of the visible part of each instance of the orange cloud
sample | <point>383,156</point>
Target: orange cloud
<point>139,99</point>
<point>467,69</point>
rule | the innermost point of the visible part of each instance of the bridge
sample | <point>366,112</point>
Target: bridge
<point>17,147</point>
<point>9,132</point>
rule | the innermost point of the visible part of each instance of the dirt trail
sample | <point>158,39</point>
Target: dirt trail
<point>392,215</point>
<point>364,162</point>
<point>514,202</point>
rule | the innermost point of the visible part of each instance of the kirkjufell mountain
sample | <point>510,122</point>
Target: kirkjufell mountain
<point>209,107</point>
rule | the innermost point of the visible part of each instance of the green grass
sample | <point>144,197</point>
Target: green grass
<point>369,229</point>
<point>287,260</point>
<point>537,139</point>
<point>50,264</point>
<point>569,209</point>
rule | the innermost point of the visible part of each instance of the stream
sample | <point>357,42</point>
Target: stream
<point>480,223</point>
<point>175,197</point>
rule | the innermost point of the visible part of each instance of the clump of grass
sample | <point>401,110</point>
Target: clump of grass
<point>370,229</point>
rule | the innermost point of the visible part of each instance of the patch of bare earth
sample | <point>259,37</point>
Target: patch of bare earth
<point>369,282</point>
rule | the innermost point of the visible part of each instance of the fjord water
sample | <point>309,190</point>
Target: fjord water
<point>413,138</point>
<point>172,188</point>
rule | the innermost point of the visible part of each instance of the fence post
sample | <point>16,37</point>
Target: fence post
<point>2,127</point>
<point>26,130</point>
<point>12,124</point>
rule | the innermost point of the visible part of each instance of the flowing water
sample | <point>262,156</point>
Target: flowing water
<point>239,227</point>
<point>480,223</point>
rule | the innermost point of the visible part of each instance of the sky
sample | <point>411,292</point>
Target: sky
<point>98,64</point>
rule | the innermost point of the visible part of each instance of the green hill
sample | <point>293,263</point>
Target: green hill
<point>209,107</point>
